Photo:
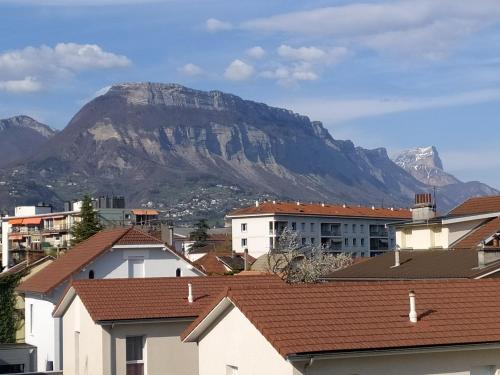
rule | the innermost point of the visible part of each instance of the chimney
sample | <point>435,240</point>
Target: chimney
<point>190,293</point>
<point>481,262</point>
<point>424,208</point>
<point>322,205</point>
<point>274,202</point>
<point>245,259</point>
<point>397,261</point>
<point>167,233</point>
<point>257,203</point>
<point>413,307</point>
<point>298,203</point>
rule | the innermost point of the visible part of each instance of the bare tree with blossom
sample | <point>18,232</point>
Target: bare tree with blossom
<point>297,263</point>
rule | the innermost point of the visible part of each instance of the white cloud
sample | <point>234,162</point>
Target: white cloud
<point>214,25</point>
<point>256,52</point>
<point>338,110</point>
<point>28,84</point>
<point>291,74</point>
<point>191,70</point>
<point>239,71</point>
<point>312,54</point>
<point>46,64</point>
<point>431,27</point>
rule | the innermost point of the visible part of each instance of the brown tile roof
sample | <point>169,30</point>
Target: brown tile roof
<point>138,237</point>
<point>336,317</point>
<point>478,205</point>
<point>80,256</point>
<point>213,263</point>
<point>156,298</point>
<point>417,264</point>
<point>286,208</point>
<point>480,234</point>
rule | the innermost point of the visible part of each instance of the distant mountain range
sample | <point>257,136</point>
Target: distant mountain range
<point>201,153</point>
<point>21,137</point>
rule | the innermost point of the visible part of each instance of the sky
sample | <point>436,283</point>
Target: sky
<point>395,74</point>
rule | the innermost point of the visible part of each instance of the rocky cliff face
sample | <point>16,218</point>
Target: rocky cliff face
<point>20,137</point>
<point>167,145</point>
<point>425,165</point>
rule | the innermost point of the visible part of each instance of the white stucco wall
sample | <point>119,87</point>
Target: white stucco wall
<point>234,341</point>
<point>86,357</point>
<point>480,362</point>
<point>40,331</point>
<point>458,230</point>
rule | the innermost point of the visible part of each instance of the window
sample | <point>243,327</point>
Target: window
<point>303,227</point>
<point>231,370</point>
<point>354,242</point>
<point>294,225</point>
<point>271,227</point>
<point>312,227</point>
<point>312,240</point>
<point>178,272</point>
<point>91,274</point>
<point>362,228</point>
<point>303,240</point>
<point>346,228</point>
<point>244,227</point>
<point>135,358</point>
<point>244,242</point>
<point>346,242</point>
<point>135,267</point>
<point>271,242</point>
<point>362,242</point>
<point>483,370</point>
<point>354,228</point>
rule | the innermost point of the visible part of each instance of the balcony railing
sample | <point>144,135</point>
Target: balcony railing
<point>379,233</point>
<point>330,233</point>
<point>37,230</point>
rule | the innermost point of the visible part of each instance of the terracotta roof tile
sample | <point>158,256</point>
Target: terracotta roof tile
<point>480,234</point>
<point>417,264</point>
<point>338,317</point>
<point>78,257</point>
<point>213,263</point>
<point>478,205</point>
<point>150,298</point>
<point>138,237</point>
<point>286,208</point>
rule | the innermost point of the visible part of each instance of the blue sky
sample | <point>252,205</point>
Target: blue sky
<point>394,74</point>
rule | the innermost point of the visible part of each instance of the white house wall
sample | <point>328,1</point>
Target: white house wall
<point>479,362</point>
<point>234,341</point>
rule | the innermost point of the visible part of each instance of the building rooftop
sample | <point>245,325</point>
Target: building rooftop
<point>303,209</point>
<point>477,205</point>
<point>478,235</point>
<point>418,264</point>
<point>155,298</point>
<point>343,317</point>
<point>81,255</point>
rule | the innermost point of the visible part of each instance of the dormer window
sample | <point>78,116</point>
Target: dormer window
<point>91,274</point>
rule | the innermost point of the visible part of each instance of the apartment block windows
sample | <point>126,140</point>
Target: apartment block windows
<point>313,240</point>
<point>303,227</point>
<point>303,241</point>
<point>135,355</point>
<point>362,228</point>
<point>354,228</point>
<point>312,227</point>
<point>346,228</point>
<point>244,242</point>
<point>294,225</point>
<point>354,242</point>
<point>244,227</point>
<point>362,242</point>
<point>346,242</point>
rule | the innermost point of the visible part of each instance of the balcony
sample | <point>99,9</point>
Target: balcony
<point>39,231</point>
<point>330,230</point>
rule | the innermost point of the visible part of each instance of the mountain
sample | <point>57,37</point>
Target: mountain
<point>426,166</point>
<point>20,137</point>
<point>200,153</point>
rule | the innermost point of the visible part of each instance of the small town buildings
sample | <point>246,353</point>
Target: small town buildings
<point>110,254</point>
<point>389,328</point>
<point>133,326</point>
<point>474,222</point>
<point>359,231</point>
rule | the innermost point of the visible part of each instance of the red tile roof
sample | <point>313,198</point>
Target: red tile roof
<point>81,255</point>
<point>338,317</point>
<point>214,263</point>
<point>477,236</point>
<point>156,298</point>
<point>286,208</point>
<point>478,205</point>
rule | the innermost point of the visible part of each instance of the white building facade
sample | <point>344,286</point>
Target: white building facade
<point>359,231</point>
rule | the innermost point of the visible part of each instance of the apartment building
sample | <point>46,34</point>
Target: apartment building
<point>360,231</point>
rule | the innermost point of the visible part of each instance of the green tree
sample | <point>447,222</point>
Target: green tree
<point>10,318</point>
<point>88,224</point>
<point>200,235</point>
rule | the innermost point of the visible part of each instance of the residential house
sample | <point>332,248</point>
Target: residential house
<point>114,253</point>
<point>474,222</point>
<point>389,328</point>
<point>359,231</point>
<point>217,263</point>
<point>133,326</point>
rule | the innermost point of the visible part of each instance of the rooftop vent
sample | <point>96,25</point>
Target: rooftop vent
<point>413,307</point>
<point>397,261</point>
<point>298,203</point>
<point>256,203</point>
<point>190,293</point>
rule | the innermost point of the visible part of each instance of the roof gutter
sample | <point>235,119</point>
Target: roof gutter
<point>386,352</point>
<point>187,319</point>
